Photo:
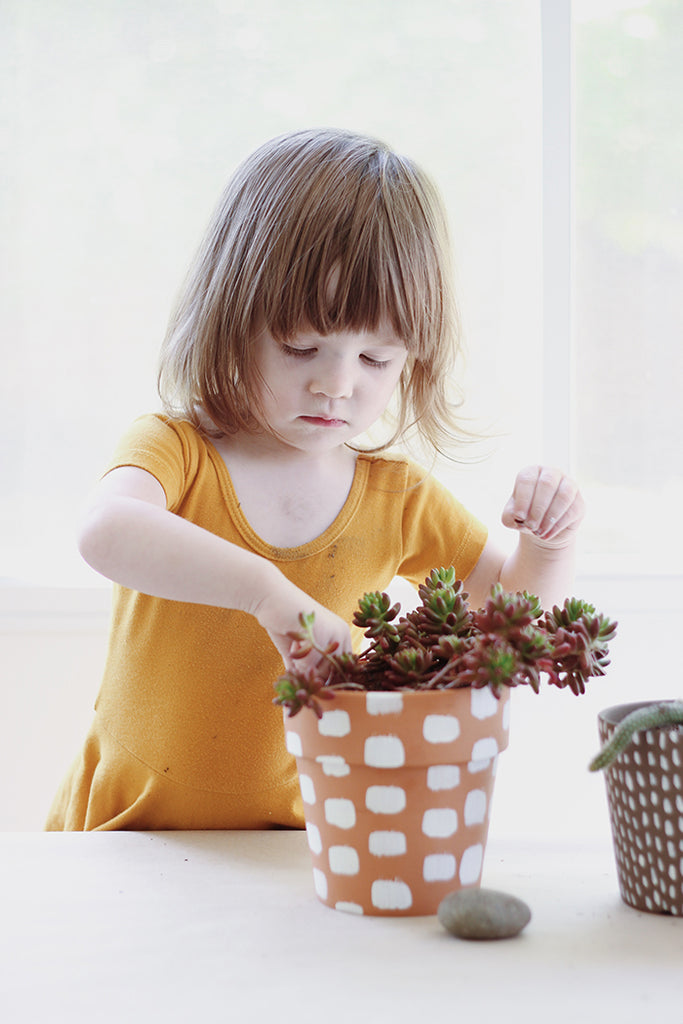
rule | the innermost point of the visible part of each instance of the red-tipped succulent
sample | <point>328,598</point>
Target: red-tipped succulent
<point>443,644</point>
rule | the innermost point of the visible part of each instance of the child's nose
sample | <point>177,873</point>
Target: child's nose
<point>334,381</point>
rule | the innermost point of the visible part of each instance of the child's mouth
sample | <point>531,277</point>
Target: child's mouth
<point>323,421</point>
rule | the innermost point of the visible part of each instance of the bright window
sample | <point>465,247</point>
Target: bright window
<point>122,122</point>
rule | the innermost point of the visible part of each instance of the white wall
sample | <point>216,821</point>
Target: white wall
<point>52,647</point>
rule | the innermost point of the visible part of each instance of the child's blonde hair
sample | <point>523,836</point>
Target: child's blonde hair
<point>324,230</point>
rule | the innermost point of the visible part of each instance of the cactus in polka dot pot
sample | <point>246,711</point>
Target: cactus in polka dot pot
<point>642,758</point>
<point>397,746</point>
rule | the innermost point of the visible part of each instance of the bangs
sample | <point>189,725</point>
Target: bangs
<point>359,250</point>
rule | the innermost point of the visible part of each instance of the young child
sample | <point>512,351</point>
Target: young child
<point>320,291</point>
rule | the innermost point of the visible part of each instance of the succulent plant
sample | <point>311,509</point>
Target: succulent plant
<point>444,644</point>
<point>650,716</point>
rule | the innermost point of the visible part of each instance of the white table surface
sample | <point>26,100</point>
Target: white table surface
<point>194,926</point>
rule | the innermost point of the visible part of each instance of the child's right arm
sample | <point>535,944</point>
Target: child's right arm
<point>129,536</point>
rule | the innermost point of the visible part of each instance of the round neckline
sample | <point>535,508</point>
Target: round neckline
<point>312,547</point>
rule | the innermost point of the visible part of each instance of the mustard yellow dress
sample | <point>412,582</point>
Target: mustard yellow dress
<point>185,735</point>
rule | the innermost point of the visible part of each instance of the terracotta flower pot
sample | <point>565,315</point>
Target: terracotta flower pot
<point>645,799</point>
<point>397,792</point>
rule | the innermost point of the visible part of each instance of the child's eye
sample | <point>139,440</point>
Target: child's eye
<point>289,350</point>
<point>378,364</point>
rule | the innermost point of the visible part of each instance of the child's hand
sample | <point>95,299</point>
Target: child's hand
<point>281,618</point>
<point>546,504</point>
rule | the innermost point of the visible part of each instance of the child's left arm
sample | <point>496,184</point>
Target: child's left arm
<point>546,508</point>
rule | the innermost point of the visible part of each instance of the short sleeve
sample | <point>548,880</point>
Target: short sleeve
<point>157,445</point>
<point>438,531</point>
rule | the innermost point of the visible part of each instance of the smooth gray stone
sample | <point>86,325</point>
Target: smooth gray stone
<point>483,914</point>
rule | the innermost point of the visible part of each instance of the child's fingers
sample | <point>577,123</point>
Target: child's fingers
<point>557,526</point>
<point>561,506</point>
<point>544,502</point>
<point>531,498</point>
<point>332,636</point>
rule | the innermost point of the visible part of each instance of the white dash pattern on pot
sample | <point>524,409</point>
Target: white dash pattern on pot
<point>440,728</point>
<point>384,752</point>
<point>471,864</point>
<point>335,723</point>
<point>385,799</point>
<point>340,812</point>
<point>475,807</point>
<point>383,703</point>
<point>440,822</point>
<point>443,776</point>
<point>333,765</point>
<point>391,894</point>
<point>387,843</point>
<point>343,860</point>
<point>439,867</point>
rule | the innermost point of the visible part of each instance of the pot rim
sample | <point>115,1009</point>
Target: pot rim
<point>412,694</point>
<point>614,714</point>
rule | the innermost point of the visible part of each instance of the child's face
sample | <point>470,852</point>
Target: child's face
<point>321,391</point>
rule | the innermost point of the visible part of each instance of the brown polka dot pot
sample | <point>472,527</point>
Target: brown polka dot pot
<point>645,799</point>
<point>397,794</point>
